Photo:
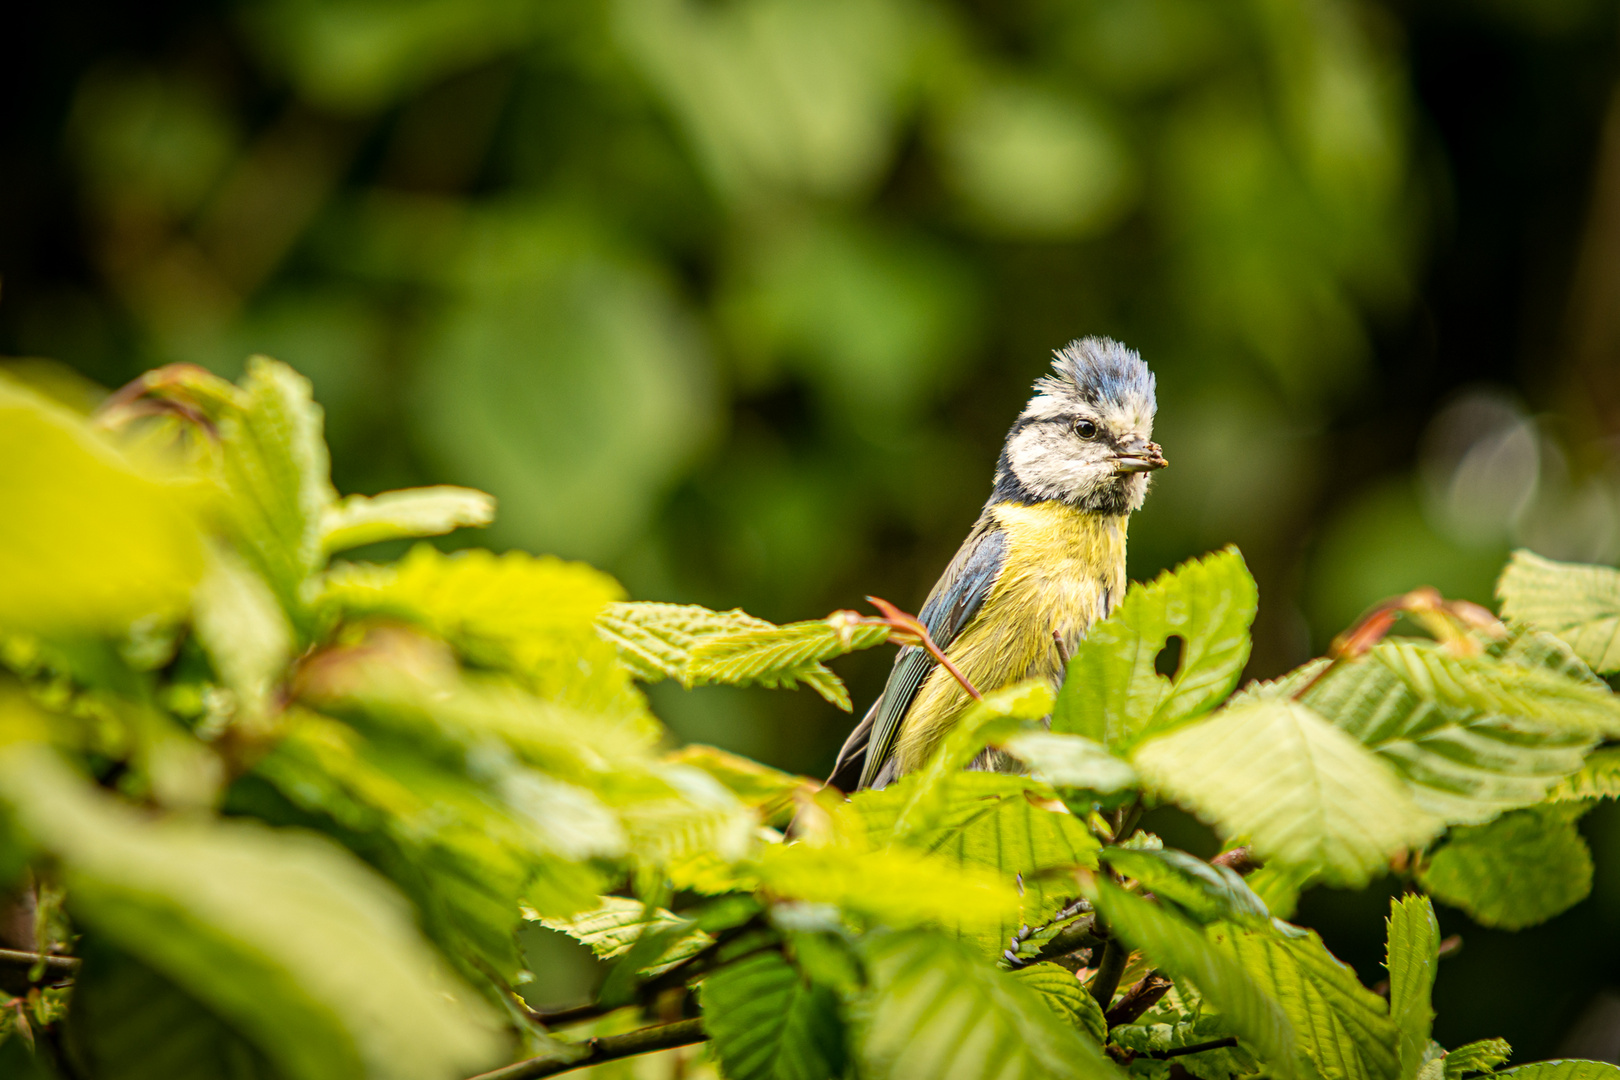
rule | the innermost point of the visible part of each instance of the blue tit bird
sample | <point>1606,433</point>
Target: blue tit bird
<point>1045,560</point>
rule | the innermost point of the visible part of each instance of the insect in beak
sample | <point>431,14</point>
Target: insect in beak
<point>1138,455</point>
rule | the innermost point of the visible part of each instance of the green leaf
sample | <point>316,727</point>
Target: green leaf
<point>698,646</point>
<point>617,923</point>
<point>1577,602</point>
<point>1070,761</point>
<point>1564,1070</point>
<point>431,511</point>
<point>1521,869</point>
<point>278,474</point>
<point>1597,778</point>
<point>535,615</point>
<point>466,861</point>
<point>1479,1057</point>
<point>768,1023</point>
<point>1411,957</point>
<point>1112,694</point>
<point>755,784</point>
<point>1302,791</point>
<point>1460,762</point>
<point>1065,996</point>
<point>127,1022</point>
<point>656,640</point>
<point>284,936</point>
<point>936,1011</point>
<point>1207,893</point>
<point>783,655</point>
<point>104,544</point>
<point>1185,952</point>
<point>1344,1028</point>
<point>896,887</point>
<point>1546,695</point>
<point>242,628</point>
<point>1010,824</point>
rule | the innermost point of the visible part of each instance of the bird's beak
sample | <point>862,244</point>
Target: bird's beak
<point>1139,455</point>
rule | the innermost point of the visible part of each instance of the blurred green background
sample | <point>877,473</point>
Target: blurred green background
<point>736,298</point>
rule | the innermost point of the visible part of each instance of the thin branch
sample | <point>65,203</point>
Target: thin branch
<point>909,630</point>
<point>1139,999</point>
<point>1195,1048</point>
<point>1109,969</point>
<point>698,963</point>
<point>60,965</point>
<point>607,1048</point>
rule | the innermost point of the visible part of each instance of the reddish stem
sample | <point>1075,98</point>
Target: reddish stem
<point>910,630</point>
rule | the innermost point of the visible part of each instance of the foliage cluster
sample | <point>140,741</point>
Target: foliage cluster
<point>276,816</point>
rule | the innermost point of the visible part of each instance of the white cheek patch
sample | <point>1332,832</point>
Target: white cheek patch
<point>1048,461</point>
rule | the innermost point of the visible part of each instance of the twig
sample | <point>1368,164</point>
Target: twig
<point>1195,1048</point>
<point>563,1017</point>
<point>1109,969</point>
<point>696,964</point>
<point>909,630</point>
<point>62,965</point>
<point>607,1048</point>
<point>1139,999</point>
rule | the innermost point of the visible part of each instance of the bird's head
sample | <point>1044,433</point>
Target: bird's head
<point>1086,437</point>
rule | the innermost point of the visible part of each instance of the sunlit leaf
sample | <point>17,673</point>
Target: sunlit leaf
<point>1460,762</point>
<point>277,471</point>
<point>1564,1070</point>
<point>895,886</point>
<point>1113,694</point>
<point>937,1011</point>
<point>92,543</point>
<point>614,926</point>
<point>243,629</point>
<point>782,655</point>
<point>286,937</point>
<point>656,640</point>
<point>756,785</point>
<point>1070,761</point>
<point>1476,1057</point>
<point>1411,957</point>
<point>1482,683</point>
<point>361,519</point>
<point>1521,869</point>
<point>1597,778</point>
<point>1344,1028</point>
<point>534,615</point>
<point>1299,789</point>
<point>1577,602</point>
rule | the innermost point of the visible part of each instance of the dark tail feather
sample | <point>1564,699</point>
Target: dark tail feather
<point>846,775</point>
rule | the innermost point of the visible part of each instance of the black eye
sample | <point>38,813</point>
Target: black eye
<point>1085,429</point>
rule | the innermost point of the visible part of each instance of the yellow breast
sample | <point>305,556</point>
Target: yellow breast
<point>1063,570</point>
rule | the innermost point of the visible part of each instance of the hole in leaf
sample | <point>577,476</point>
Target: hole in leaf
<point>1168,662</point>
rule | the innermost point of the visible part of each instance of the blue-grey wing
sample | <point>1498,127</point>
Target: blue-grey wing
<point>954,601</point>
